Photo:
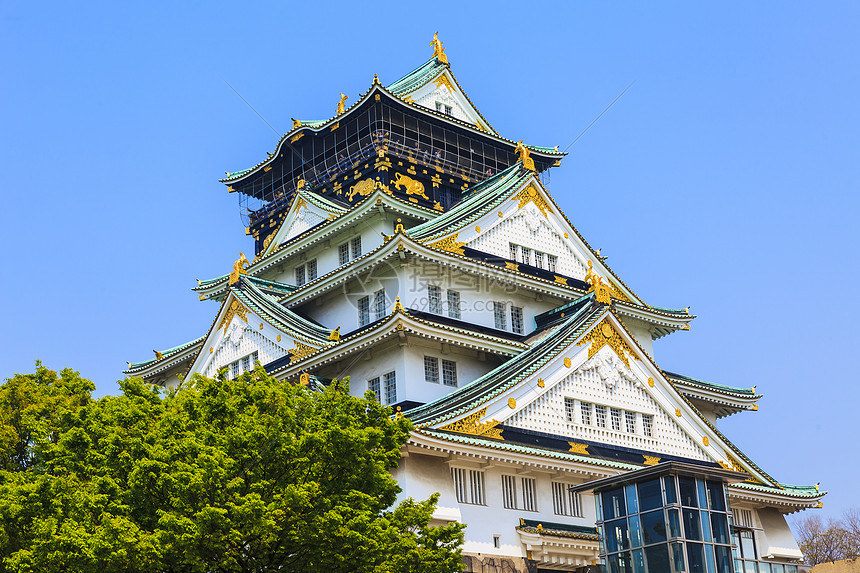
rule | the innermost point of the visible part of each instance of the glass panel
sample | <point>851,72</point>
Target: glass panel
<point>650,496</point>
<point>692,530</point>
<point>598,506</point>
<point>706,526</point>
<point>632,500</point>
<point>653,527</point>
<point>719,528</point>
<point>635,532</point>
<point>639,561</point>
<point>716,496</point>
<point>616,536</point>
<point>674,523</point>
<point>602,537</point>
<point>657,557</point>
<point>747,545</point>
<point>695,558</point>
<point>751,567</point>
<point>724,559</point>
<point>791,569</point>
<point>678,557</point>
<point>764,568</point>
<point>778,568</point>
<point>703,497</point>
<point>613,504</point>
<point>620,563</point>
<point>671,490</point>
<point>688,491</point>
<point>709,559</point>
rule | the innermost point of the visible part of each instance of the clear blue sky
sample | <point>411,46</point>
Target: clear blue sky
<point>725,179</point>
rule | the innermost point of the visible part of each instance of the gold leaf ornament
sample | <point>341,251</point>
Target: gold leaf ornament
<point>472,425</point>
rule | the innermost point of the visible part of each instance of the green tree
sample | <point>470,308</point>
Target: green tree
<point>220,475</point>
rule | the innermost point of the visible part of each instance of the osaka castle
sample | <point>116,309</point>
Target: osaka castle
<point>408,245</point>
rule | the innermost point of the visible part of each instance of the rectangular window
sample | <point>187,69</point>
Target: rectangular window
<point>539,260</point>
<point>468,485</point>
<point>379,303</point>
<point>616,418</point>
<point>390,388</point>
<point>254,358</point>
<point>246,363</point>
<point>431,369</point>
<point>373,386</point>
<point>529,494</point>
<point>630,422</point>
<point>453,304</point>
<point>564,501</point>
<point>476,486</point>
<point>234,369</point>
<point>449,110</point>
<point>517,319</point>
<point>356,247</point>
<point>449,373</point>
<point>312,270</point>
<point>647,424</point>
<point>434,296</point>
<point>743,517</point>
<point>343,254</point>
<point>585,409</point>
<point>300,275</point>
<point>551,261</point>
<point>509,492</point>
<point>527,255</point>
<point>364,311</point>
<point>499,315</point>
<point>600,416</point>
<point>514,252</point>
<point>439,106</point>
<point>569,409</point>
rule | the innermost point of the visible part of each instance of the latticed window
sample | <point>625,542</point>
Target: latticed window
<point>439,106</point>
<point>647,424</point>
<point>454,304</point>
<point>509,491</point>
<point>514,253</point>
<point>343,254</point>
<point>743,517</point>
<point>527,255</point>
<point>390,388</point>
<point>600,416</point>
<point>616,418</point>
<point>373,386</point>
<point>630,422</point>
<point>551,261</point>
<point>246,363</point>
<point>431,369</point>
<point>529,494</point>
<point>312,270</point>
<point>517,319</point>
<point>538,259</point>
<point>356,247</point>
<point>434,296</point>
<point>449,110</point>
<point>235,370</point>
<point>569,409</point>
<point>585,410</point>
<point>449,373</point>
<point>468,485</point>
<point>499,315</point>
<point>364,310</point>
<point>300,275</point>
<point>379,303</point>
<point>564,501</point>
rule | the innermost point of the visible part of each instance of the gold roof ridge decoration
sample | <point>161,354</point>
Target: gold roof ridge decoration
<point>438,50</point>
<point>604,334</point>
<point>341,106</point>
<point>450,244</point>
<point>524,152</point>
<point>603,291</point>
<point>236,309</point>
<point>240,267</point>
<point>471,425</point>
<point>530,194</point>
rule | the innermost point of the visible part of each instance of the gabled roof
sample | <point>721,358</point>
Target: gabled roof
<point>210,287</point>
<point>136,367</point>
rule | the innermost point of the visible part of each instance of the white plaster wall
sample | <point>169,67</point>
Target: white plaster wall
<point>469,368</point>
<point>641,331</point>
<point>776,538</point>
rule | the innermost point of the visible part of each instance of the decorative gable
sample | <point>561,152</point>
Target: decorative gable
<point>302,216</point>
<point>443,95</point>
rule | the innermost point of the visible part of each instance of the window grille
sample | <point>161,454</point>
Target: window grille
<point>630,422</point>
<point>458,475</point>
<point>615,413</point>
<point>300,275</point>
<point>527,255</point>
<point>551,261</point>
<point>246,363</point>
<point>234,369</point>
<point>538,259</point>
<point>529,494</point>
<point>373,386</point>
<point>585,409</point>
<point>364,311</point>
<point>254,358</point>
<point>439,107</point>
<point>569,409</point>
<point>434,296</point>
<point>647,424</point>
<point>390,388</point>
<point>468,485</point>
<point>379,303</point>
<point>517,319</point>
<point>449,110</point>
<point>743,517</point>
<point>356,247</point>
<point>449,373</point>
<point>476,485</point>
<point>431,369</point>
<point>453,304</point>
<point>343,254</point>
<point>564,501</point>
<point>312,270</point>
<point>509,491</point>
<point>600,416</point>
<point>514,256</point>
<point>499,315</point>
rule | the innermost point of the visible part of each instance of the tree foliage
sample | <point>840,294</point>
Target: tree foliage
<point>828,541</point>
<point>221,475</point>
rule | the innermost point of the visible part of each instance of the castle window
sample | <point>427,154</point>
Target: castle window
<point>343,254</point>
<point>616,418</point>
<point>509,492</point>
<point>431,369</point>
<point>453,304</point>
<point>300,275</point>
<point>434,296</point>
<point>551,261</point>
<point>449,110</point>
<point>306,272</point>
<point>517,319</point>
<point>630,422</point>
<point>569,409</point>
<point>235,369</point>
<point>647,425</point>
<point>585,409</point>
<point>379,303</point>
<point>373,386</point>
<point>499,315</point>
<point>514,252</point>
<point>312,269</point>
<point>564,501</point>
<point>364,311</point>
<point>356,247</point>
<point>527,255</point>
<point>539,259</point>
<point>468,485</point>
<point>743,517</point>
<point>439,106</point>
<point>600,416</point>
<point>529,494</point>
<point>390,388</point>
<point>449,373</point>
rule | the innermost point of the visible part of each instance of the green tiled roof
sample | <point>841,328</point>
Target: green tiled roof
<point>558,529</point>
<point>237,173</point>
<point>671,310</point>
<point>803,491</point>
<point>281,288</point>
<point>510,373</point>
<point>486,196</point>
<point>323,202</point>
<point>543,149</point>
<point>417,77</point>
<point>709,385</point>
<point>165,354</point>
